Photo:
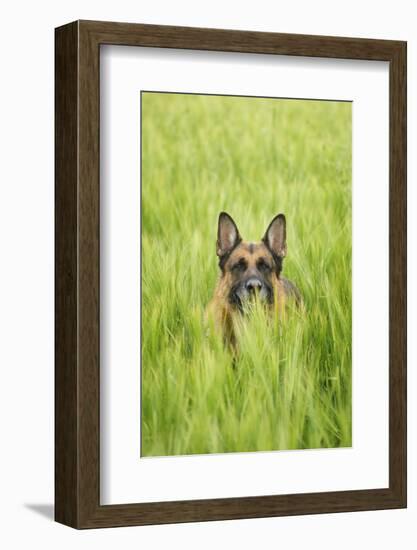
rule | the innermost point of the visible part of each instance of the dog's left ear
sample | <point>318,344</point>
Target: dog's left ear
<point>227,235</point>
<point>275,237</point>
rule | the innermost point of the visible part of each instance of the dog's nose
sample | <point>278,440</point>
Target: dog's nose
<point>253,284</point>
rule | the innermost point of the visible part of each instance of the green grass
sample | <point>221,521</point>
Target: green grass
<point>291,384</point>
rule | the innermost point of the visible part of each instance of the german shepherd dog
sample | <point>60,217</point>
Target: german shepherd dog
<point>249,270</point>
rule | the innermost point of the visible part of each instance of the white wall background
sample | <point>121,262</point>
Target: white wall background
<point>26,274</point>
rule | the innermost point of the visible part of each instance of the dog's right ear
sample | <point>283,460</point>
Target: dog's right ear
<point>276,236</point>
<point>227,235</point>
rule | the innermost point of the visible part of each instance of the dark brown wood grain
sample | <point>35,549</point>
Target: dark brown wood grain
<point>66,238</point>
<point>398,273</point>
<point>77,371</point>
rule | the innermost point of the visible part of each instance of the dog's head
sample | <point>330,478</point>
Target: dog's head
<point>250,267</point>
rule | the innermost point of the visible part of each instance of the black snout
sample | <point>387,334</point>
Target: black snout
<point>247,290</point>
<point>253,284</point>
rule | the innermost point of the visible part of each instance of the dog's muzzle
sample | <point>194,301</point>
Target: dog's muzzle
<point>251,289</point>
<point>253,285</point>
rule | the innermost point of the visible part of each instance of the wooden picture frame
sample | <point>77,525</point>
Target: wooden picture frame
<point>77,373</point>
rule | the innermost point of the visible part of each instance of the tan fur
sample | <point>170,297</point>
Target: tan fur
<point>221,311</point>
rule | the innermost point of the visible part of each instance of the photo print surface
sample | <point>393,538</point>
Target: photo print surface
<point>246,276</point>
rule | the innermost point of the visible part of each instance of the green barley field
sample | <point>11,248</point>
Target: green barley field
<point>290,386</point>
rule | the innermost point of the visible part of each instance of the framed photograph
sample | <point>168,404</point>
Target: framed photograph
<point>230,274</point>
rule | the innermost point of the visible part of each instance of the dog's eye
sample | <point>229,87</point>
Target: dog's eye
<point>263,266</point>
<point>241,265</point>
